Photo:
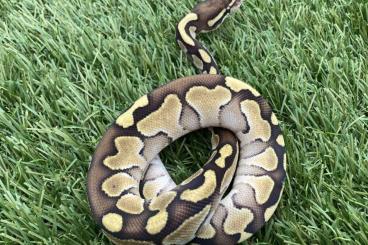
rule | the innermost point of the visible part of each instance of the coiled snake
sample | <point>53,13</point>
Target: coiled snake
<point>132,196</point>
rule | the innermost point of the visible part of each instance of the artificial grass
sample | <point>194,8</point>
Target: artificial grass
<point>68,68</point>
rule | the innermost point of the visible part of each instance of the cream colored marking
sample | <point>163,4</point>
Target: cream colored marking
<point>213,70</point>
<point>192,177</point>
<point>280,140</point>
<point>266,160</point>
<point>270,210</point>
<point>208,108</point>
<point>215,139</point>
<point>116,184</point>
<point>206,231</point>
<point>162,201</point>
<point>203,191</point>
<point>225,152</point>
<point>237,220</point>
<point>112,222</point>
<point>213,21</point>
<point>274,119</point>
<point>259,128</point>
<point>182,46</point>
<point>165,119</point>
<point>197,62</point>
<point>229,174</point>
<point>156,223</point>
<point>126,119</point>
<point>131,204</point>
<point>244,236</point>
<point>128,153</point>
<point>262,185</point>
<point>181,27</point>
<point>205,56</point>
<point>187,230</point>
<point>237,85</point>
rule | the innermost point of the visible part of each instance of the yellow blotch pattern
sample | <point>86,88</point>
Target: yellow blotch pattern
<point>187,230</point>
<point>203,191</point>
<point>131,203</point>
<point>267,160</point>
<point>259,128</point>
<point>128,153</point>
<point>205,56</point>
<point>116,184</point>
<point>237,85</point>
<point>181,27</point>
<point>237,220</point>
<point>262,185</point>
<point>112,222</point>
<point>158,222</point>
<point>126,119</point>
<point>165,119</point>
<point>208,108</point>
<point>225,152</point>
<point>213,21</point>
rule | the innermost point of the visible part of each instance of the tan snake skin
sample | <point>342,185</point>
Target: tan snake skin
<point>131,195</point>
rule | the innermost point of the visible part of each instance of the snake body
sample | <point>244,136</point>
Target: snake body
<point>131,194</point>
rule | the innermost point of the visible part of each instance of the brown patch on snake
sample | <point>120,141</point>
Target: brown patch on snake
<point>97,172</point>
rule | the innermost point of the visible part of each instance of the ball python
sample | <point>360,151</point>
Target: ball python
<point>131,194</point>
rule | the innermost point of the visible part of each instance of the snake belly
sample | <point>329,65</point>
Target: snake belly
<point>131,194</point>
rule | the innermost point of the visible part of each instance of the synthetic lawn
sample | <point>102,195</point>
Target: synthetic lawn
<point>68,68</point>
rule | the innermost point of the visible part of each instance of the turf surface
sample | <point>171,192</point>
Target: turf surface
<point>67,68</point>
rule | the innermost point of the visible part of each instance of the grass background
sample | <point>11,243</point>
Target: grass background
<point>68,68</point>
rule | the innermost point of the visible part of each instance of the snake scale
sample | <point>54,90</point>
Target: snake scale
<point>131,195</point>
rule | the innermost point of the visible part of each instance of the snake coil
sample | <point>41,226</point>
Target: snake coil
<point>131,195</point>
